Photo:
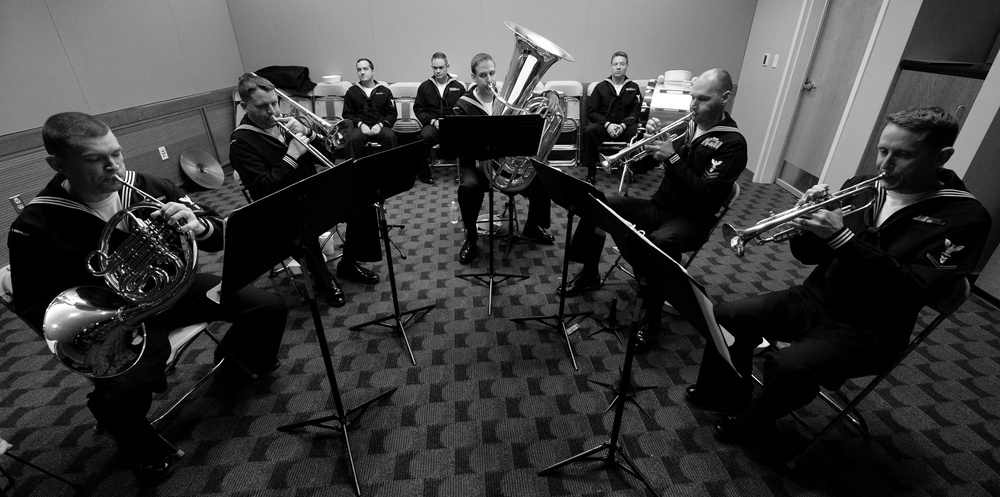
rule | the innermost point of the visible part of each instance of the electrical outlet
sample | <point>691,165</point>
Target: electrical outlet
<point>163,153</point>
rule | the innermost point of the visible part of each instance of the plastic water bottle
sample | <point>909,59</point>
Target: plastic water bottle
<point>453,212</point>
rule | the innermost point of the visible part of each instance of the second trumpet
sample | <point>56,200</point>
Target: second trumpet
<point>738,238</point>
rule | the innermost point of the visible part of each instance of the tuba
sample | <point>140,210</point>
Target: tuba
<point>533,55</point>
<point>98,332</point>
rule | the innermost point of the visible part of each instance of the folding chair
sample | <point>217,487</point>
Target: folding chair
<point>946,301</point>
<point>404,95</point>
<point>569,96</point>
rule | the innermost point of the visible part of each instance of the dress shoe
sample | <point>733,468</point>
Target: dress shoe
<point>352,271</point>
<point>233,371</point>
<point>154,470</point>
<point>470,250</point>
<point>701,399</point>
<point>429,180</point>
<point>334,297</point>
<point>591,179</point>
<point>538,234</point>
<point>580,284</point>
<point>725,431</point>
<point>648,335</point>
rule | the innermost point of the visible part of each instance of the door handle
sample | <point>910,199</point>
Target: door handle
<point>808,85</point>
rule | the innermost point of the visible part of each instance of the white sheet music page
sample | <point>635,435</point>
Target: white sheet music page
<point>704,302</point>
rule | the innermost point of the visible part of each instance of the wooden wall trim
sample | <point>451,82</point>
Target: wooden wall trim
<point>24,140</point>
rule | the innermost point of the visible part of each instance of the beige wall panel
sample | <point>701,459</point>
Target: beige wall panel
<point>125,52</point>
<point>759,85</point>
<point>32,58</point>
<point>667,34</point>
<point>407,32</point>
<point>212,58</point>
<point>325,36</point>
<point>399,35</point>
<point>562,22</point>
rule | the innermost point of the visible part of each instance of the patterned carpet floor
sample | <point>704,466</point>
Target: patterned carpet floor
<point>489,402</point>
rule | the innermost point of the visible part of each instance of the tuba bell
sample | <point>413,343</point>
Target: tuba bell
<point>533,55</point>
<point>98,332</point>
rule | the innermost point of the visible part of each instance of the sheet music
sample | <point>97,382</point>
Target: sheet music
<point>705,304</point>
<point>720,337</point>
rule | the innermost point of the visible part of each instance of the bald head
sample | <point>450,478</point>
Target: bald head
<point>717,79</point>
<point>709,94</point>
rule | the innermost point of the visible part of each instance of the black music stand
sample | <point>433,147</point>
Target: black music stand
<point>491,138</point>
<point>381,176</point>
<point>568,192</point>
<point>693,304</point>
<point>289,217</point>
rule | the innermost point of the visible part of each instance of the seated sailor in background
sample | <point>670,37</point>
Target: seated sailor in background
<point>612,113</point>
<point>436,98</point>
<point>369,106</point>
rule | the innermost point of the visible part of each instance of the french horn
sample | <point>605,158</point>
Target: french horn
<point>97,331</point>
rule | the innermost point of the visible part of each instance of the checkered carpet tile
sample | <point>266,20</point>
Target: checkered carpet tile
<point>489,402</point>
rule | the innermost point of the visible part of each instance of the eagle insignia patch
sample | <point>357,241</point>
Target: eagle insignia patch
<point>941,262</point>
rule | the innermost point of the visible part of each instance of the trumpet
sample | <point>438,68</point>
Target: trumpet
<point>636,151</point>
<point>738,238</point>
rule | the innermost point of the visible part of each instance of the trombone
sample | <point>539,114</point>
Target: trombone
<point>334,134</point>
<point>738,238</point>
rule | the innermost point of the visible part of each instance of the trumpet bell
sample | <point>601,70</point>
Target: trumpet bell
<point>735,239</point>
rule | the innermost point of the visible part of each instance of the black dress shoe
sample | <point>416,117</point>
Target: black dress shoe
<point>469,251</point>
<point>232,370</point>
<point>701,399</point>
<point>154,470</point>
<point>580,284</point>
<point>334,297</point>
<point>725,431</point>
<point>647,336</point>
<point>591,179</point>
<point>352,271</point>
<point>538,234</point>
<point>429,180</point>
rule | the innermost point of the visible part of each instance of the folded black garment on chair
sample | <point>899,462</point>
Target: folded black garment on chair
<point>295,78</point>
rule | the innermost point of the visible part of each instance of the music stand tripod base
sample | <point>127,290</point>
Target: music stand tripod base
<point>559,320</point>
<point>612,446</point>
<point>491,277</point>
<point>390,173</point>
